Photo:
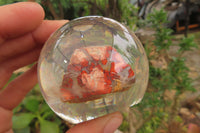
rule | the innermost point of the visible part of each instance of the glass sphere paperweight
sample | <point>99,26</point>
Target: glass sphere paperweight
<point>90,67</point>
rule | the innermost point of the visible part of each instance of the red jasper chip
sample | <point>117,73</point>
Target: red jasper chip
<point>91,73</point>
<point>131,73</point>
<point>104,61</point>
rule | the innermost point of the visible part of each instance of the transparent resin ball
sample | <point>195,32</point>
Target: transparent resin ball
<point>90,67</point>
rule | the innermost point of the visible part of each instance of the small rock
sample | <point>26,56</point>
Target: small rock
<point>198,105</point>
<point>185,111</point>
<point>198,114</point>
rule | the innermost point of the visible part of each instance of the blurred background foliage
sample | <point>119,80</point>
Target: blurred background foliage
<point>170,85</point>
<point>70,9</point>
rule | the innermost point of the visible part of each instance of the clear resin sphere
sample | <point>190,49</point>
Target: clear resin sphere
<point>90,67</point>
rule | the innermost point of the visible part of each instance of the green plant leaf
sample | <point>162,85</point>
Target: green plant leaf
<point>31,104</point>
<point>48,127</point>
<point>23,130</point>
<point>22,120</point>
<point>187,44</point>
<point>45,111</point>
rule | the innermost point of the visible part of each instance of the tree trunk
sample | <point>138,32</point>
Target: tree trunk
<point>114,9</point>
<point>187,5</point>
